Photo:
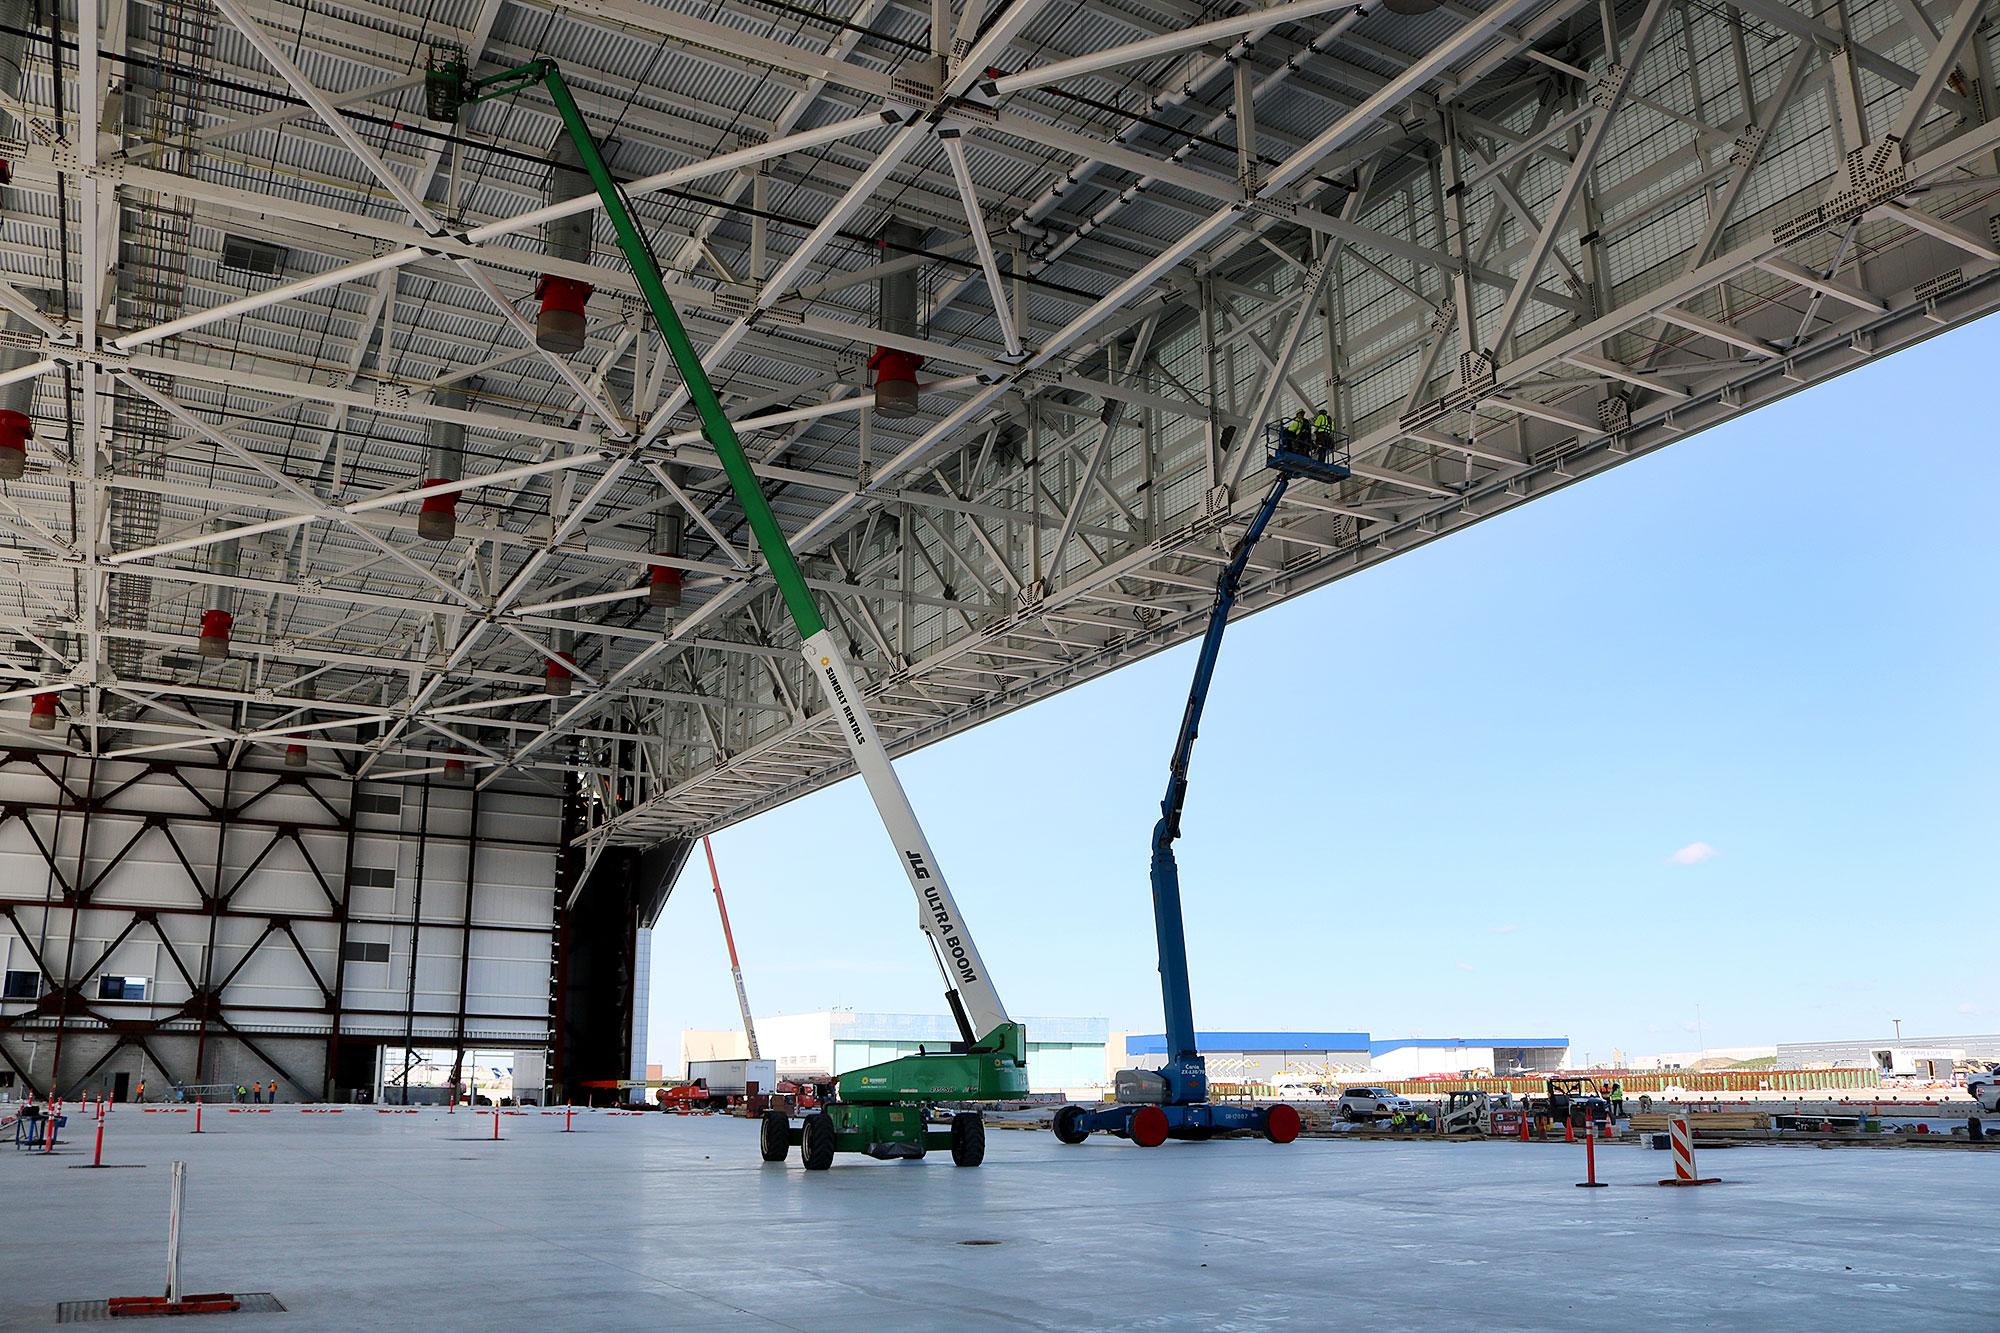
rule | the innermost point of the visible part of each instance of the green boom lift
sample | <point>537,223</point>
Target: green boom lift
<point>884,1110</point>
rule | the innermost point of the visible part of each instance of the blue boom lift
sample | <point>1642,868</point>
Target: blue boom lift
<point>1154,1105</point>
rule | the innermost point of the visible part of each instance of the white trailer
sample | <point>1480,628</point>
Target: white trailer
<point>735,1078</point>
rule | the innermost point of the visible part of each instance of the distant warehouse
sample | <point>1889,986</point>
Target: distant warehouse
<point>1267,1057</point>
<point>1916,1057</point>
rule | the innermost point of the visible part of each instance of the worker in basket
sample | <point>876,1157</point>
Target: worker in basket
<point>1298,433</point>
<point>1322,428</point>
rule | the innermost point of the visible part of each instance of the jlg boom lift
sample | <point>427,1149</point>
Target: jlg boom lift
<point>884,1110</point>
<point>1172,1102</point>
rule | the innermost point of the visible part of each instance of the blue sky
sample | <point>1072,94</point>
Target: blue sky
<point>1716,729</point>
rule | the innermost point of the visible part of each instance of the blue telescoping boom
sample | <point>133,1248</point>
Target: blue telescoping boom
<point>1172,1101</point>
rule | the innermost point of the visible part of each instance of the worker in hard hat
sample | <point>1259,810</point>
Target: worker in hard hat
<point>1322,429</point>
<point>1298,433</point>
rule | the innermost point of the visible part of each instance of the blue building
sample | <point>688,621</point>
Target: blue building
<point>1271,1057</point>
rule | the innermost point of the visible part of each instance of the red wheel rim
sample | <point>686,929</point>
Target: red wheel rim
<point>1281,1123</point>
<point>1149,1127</point>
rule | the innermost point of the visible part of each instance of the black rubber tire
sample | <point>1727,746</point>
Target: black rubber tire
<point>816,1142</point>
<point>774,1136</point>
<point>968,1139</point>
<point>1068,1125</point>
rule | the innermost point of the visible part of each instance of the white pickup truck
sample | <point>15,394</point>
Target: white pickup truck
<point>1985,1089</point>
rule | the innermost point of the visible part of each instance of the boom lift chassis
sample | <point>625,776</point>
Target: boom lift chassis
<point>1172,1102</point>
<point>885,1110</point>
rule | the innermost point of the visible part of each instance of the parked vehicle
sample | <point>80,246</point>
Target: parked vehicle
<point>1985,1089</point>
<point>1371,1104</point>
<point>1572,1101</point>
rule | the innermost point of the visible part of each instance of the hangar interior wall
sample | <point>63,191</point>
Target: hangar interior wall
<point>196,924</point>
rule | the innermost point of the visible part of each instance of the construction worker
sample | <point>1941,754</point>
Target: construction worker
<point>1398,1122</point>
<point>142,1090</point>
<point>241,1092</point>
<point>1322,427</point>
<point>1298,433</point>
<point>1423,1121</point>
<point>274,1092</point>
<point>1617,1099</point>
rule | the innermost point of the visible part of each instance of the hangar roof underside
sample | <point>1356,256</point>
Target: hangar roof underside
<point>1509,245</point>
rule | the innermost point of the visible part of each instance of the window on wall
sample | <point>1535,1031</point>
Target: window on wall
<point>21,986</point>
<point>365,951</point>
<point>378,803</point>
<point>122,988</point>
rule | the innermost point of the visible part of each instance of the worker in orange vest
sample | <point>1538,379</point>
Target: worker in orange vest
<point>142,1090</point>
<point>274,1092</point>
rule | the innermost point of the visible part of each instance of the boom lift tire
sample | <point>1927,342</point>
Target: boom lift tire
<point>1068,1125</point>
<point>1281,1123</point>
<point>968,1139</point>
<point>816,1142</point>
<point>774,1136</point>
<point>1149,1127</point>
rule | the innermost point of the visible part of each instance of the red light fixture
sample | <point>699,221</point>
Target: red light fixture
<point>295,755</point>
<point>454,765</point>
<point>15,432</point>
<point>215,626</point>
<point>437,517</point>
<point>225,558</point>
<point>560,324</point>
<point>42,712</point>
<point>896,391</point>
<point>663,587</point>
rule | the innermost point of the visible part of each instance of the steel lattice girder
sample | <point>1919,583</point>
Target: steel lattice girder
<point>1508,245</point>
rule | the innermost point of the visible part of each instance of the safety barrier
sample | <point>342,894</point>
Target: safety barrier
<point>1682,1142</point>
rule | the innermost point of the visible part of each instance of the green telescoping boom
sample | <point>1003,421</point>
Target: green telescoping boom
<point>883,1110</point>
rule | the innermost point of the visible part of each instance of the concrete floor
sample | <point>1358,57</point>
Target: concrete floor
<point>365,1220</point>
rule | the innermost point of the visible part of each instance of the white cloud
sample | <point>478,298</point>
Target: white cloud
<point>1502,930</point>
<point>1467,967</point>
<point>1693,854</point>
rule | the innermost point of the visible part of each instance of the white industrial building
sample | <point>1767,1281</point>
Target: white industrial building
<point>1336,1057</point>
<point>1905,1057</point>
<point>1064,1054</point>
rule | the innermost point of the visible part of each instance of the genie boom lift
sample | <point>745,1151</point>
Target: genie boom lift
<point>1154,1105</point>
<point>887,1110</point>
